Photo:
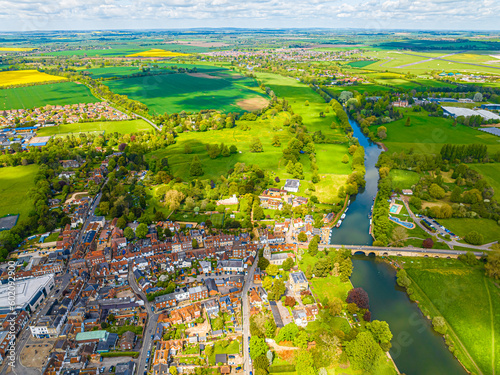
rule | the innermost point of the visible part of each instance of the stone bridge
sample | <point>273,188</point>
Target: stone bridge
<point>401,251</point>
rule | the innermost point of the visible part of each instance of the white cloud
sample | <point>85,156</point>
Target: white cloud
<point>102,14</point>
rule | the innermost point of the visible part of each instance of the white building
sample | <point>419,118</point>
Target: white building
<point>292,186</point>
<point>30,293</point>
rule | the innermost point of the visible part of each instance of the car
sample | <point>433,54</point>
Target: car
<point>147,360</point>
<point>149,353</point>
<point>101,370</point>
<point>152,337</point>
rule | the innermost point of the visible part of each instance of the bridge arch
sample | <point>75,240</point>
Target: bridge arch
<point>359,252</point>
<point>372,253</point>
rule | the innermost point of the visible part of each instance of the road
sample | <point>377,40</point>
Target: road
<point>118,110</point>
<point>245,306</point>
<point>452,243</point>
<point>152,321</point>
<point>401,250</point>
<point>61,285</point>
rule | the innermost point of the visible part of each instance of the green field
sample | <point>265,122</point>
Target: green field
<point>122,127</point>
<point>41,95</point>
<point>185,92</point>
<point>362,88</point>
<point>420,63</point>
<point>15,182</point>
<point>467,299</point>
<point>427,135</point>
<point>490,172</point>
<point>329,156</point>
<point>488,228</point>
<point>403,179</point>
<point>111,50</point>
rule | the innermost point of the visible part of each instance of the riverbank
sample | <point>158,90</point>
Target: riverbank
<point>462,295</point>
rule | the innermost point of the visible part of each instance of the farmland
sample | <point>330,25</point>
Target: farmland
<point>122,127</point>
<point>23,77</point>
<point>332,171</point>
<point>467,299</point>
<point>15,49</point>
<point>15,182</point>
<point>189,92</point>
<point>424,62</point>
<point>41,95</point>
<point>157,53</point>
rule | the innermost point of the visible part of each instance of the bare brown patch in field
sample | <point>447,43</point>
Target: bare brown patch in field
<point>252,104</point>
<point>36,352</point>
<point>447,177</point>
<point>203,75</point>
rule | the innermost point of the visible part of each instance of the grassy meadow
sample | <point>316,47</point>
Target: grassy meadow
<point>487,227</point>
<point>332,171</point>
<point>41,95</point>
<point>467,299</point>
<point>190,92</point>
<point>427,135</point>
<point>22,77</point>
<point>122,127</point>
<point>402,179</point>
<point>15,182</point>
<point>491,173</point>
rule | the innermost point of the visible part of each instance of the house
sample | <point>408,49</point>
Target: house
<point>221,358</point>
<point>127,341</point>
<point>298,282</point>
<point>300,317</point>
<point>212,307</point>
<point>205,266</point>
<point>292,185</point>
<point>198,292</point>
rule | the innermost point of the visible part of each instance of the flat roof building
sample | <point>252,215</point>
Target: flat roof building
<point>29,292</point>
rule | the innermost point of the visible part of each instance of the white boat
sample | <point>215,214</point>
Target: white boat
<point>338,223</point>
<point>343,216</point>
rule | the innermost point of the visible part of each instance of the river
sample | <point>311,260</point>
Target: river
<point>416,348</point>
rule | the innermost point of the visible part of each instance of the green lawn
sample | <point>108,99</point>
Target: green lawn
<point>490,172</point>
<point>427,135</point>
<point>183,92</point>
<point>122,127</point>
<point>402,179</point>
<point>488,228</point>
<point>232,348</point>
<point>467,299</point>
<point>322,287</point>
<point>15,182</point>
<point>40,95</point>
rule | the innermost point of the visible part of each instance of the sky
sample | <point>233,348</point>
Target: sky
<point>30,15</point>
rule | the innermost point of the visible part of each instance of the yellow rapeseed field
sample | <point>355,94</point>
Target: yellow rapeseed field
<point>158,53</point>
<point>16,49</point>
<point>21,77</point>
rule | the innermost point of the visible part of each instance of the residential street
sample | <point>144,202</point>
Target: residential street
<point>246,315</point>
<point>151,322</point>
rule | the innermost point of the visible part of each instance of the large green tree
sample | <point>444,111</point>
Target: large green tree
<point>196,169</point>
<point>363,351</point>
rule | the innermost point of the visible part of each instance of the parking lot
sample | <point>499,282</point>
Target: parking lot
<point>109,362</point>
